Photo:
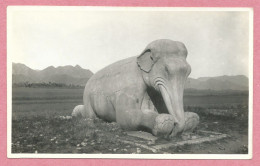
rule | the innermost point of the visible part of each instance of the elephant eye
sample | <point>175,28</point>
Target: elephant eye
<point>166,69</point>
<point>151,57</point>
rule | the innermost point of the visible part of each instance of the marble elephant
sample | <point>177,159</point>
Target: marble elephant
<point>143,92</point>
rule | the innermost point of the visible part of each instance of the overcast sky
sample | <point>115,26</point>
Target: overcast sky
<point>217,41</point>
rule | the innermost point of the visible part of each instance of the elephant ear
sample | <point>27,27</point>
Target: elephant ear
<point>145,61</point>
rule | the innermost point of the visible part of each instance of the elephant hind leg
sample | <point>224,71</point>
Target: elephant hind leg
<point>78,111</point>
<point>83,111</point>
<point>88,111</point>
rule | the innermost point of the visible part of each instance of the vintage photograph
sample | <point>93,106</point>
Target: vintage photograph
<point>129,82</point>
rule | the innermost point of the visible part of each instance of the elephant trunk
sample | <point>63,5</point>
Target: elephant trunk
<point>173,99</point>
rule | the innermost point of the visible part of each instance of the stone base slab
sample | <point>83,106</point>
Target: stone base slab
<point>148,141</point>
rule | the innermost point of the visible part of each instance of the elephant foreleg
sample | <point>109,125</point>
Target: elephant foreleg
<point>135,119</point>
<point>129,115</point>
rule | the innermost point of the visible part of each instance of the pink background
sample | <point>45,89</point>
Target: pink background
<point>141,3</point>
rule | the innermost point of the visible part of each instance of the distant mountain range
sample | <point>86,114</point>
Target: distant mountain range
<point>78,76</point>
<point>238,82</point>
<point>62,74</point>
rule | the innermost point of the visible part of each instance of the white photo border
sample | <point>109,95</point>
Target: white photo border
<point>12,9</point>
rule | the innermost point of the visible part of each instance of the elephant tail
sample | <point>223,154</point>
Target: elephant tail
<point>78,111</point>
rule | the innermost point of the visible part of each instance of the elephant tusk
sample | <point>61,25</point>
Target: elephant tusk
<point>167,101</point>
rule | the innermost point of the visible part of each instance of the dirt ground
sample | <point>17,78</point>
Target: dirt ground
<point>62,135</point>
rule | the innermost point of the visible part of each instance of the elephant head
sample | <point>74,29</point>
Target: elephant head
<point>165,70</point>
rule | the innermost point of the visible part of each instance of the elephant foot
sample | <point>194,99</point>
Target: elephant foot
<point>191,122</point>
<point>164,125</point>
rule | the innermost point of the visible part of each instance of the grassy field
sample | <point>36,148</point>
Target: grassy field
<point>40,125</point>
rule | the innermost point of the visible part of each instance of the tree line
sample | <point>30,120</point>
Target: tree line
<point>46,85</point>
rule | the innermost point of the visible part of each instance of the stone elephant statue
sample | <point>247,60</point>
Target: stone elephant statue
<point>143,92</point>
